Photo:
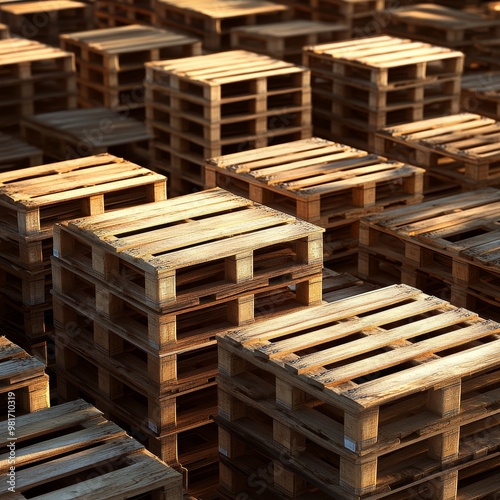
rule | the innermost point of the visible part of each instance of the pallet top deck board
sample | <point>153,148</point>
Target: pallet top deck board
<point>439,16</point>
<point>24,8</point>
<point>220,9</point>
<point>19,50</point>
<point>186,231</point>
<point>17,365</point>
<point>293,27</point>
<point>382,52</point>
<point>58,182</point>
<point>12,148</point>
<point>226,67</point>
<point>417,325</point>
<point>125,39</point>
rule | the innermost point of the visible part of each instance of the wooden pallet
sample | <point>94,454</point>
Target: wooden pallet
<point>89,457</point>
<point>285,40</point>
<point>173,261</point>
<point>320,181</point>
<point>16,154</point>
<point>24,386</point>
<point>84,132</point>
<point>481,94</point>
<point>92,185</point>
<point>453,239</point>
<point>493,9</point>
<point>392,398</point>
<point>45,20</point>
<point>110,13</point>
<point>461,147</point>
<point>442,25</point>
<point>185,449</point>
<point>213,22</point>
<point>161,414</point>
<point>383,62</point>
<point>34,78</point>
<point>26,287</point>
<point>110,62</point>
<point>486,53</point>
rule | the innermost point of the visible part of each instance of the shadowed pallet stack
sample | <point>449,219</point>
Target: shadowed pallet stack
<point>481,93</point>
<point>459,151</point>
<point>212,21</point>
<point>24,386</point>
<point>449,246</point>
<point>389,394</point>
<point>285,40</point>
<point>212,105</point>
<point>4,31</point>
<point>45,20</point>
<point>32,200</point>
<point>145,293</point>
<point>114,13</point>
<point>445,26</point>
<point>110,63</point>
<point>359,16</point>
<point>15,154</point>
<point>34,78</point>
<point>72,451</point>
<point>360,86</point>
<point>322,182</point>
<point>74,133</point>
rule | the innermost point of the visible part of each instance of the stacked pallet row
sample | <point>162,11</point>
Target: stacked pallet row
<point>45,20</point>
<point>360,17</point>
<point>24,385</point>
<point>207,106</point>
<point>213,21</point>
<point>32,200</point>
<point>284,40</point>
<point>34,78</point>
<point>481,93</point>
<point>15,154</point>
<point>71,451</point>
<point>449,247</point>
<point>441,25</point>
<point>325,183</point>
<point>74,133</point>
<point>114,13</point>
<point>110,63</point>
<point>361,86</point>
<point>140,296</point>
<point>389,394</point>
<point>459,151</point>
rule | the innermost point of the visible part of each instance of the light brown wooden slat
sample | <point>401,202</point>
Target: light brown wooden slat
<point>404,354</point>
<point>379,340</point>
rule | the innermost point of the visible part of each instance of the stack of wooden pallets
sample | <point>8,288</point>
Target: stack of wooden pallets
<point>441,25</point>
<point>481,93</point>
<point>449,247</point>
<point>34,78</point>
<point>32,200</point>
<point>212,21</point>
<point>360,86</point>
<point>389,394</point>
<point>457,151</point>
<point>285,40</point>
<point>110,63</point>
<point>24,385</point>
<point>15,154</point>
<point>74,133</point>
<point>359,16</point>
<point>207,106</point>
<point>139,297</point>
<point>72,451</point>
<point>113,13</point>
<point>45,20</point>
<point>322,182</point>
